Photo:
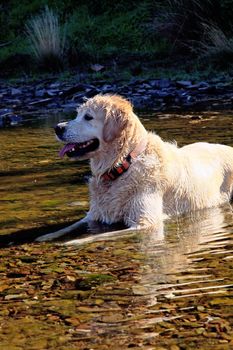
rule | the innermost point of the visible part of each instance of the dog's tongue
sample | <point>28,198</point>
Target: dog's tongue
<point>66,149</point>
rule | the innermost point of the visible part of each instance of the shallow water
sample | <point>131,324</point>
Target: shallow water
<point>134,290</point>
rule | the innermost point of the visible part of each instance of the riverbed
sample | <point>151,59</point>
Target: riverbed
<point>135,290</point>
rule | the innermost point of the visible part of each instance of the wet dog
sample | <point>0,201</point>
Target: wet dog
<point>137,178</point>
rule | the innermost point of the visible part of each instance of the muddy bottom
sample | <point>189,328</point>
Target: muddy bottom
<point>135,290</point>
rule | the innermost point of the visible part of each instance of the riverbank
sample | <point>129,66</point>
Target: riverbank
<point>21,98</point>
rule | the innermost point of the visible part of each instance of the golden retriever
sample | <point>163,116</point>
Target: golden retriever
<point>137,178</point>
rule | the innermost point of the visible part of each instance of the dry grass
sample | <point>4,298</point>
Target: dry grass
<point>47,39</point>
<point>216,46</point>
<point>179,22</point>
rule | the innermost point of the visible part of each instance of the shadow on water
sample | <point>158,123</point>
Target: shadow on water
<point>30,235</point>
<point>133,290</point>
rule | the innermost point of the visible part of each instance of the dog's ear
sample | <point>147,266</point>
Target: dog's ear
<point>113,127</point>
<point>116,118</point>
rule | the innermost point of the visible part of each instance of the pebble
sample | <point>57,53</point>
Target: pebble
<point>154,94</point>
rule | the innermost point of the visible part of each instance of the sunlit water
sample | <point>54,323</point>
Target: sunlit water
<point>160,291</point>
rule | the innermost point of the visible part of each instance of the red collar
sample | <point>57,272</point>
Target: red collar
<point>121,168</point>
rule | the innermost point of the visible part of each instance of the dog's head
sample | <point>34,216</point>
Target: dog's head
<point>100,121</point>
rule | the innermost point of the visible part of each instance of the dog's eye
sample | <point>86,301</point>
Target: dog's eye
<point>88,117</point>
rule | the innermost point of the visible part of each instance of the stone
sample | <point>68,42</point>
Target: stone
<point>183,83</point>
<point>157,94</point>
<point>15,91</point>
<point>40,93</point>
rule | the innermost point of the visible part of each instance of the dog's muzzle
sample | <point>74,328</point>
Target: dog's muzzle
<point>75,149</point>
<point>60,129</point>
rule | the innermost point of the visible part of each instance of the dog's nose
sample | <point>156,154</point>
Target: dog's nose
<point>60,128</point>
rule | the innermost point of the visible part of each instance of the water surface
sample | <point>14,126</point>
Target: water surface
<point>136,290</point>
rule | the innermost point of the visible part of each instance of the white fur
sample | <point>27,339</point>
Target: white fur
<point>164,180</point>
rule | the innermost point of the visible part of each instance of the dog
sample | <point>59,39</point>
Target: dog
<point>137,178</point>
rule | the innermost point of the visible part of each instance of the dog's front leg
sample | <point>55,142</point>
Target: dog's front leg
<point>65,230</point>
<point>147,212</point>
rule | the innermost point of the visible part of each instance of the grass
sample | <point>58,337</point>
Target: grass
<point>47,39</point>
<point>217,47</point>
<point>132,37</point>
<point>112,34</point>
<point>179,22</point>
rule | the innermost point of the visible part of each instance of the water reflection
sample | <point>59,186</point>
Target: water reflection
<point>167,276</point>
<point>199,232</point>
<point>185,241</point>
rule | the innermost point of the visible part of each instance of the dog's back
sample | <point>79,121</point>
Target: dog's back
<point>201,176</point>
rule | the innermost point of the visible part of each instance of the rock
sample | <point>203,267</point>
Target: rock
<point>10,120</point>
<point>183,83</point>
<point>52,92</point>
<point>15,91</point>
<point>5,111</point>
<point>72,90</point>
<point>158,94</point>
<point>208,89</point>
<point>163,94</point>
<point>201,84</point>
<point>55,85</point>
<point>40,93</point>
<point>164,83</point>
<point>107,88</point>
<point>15,119</point>
<point>16,296</point>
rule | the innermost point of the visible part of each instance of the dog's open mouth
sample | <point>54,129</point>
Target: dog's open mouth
<point>79,149</point>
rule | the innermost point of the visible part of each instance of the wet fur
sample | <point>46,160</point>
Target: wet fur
<point>164,180</point>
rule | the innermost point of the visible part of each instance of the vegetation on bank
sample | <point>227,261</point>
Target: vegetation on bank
<point>56,35</point>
